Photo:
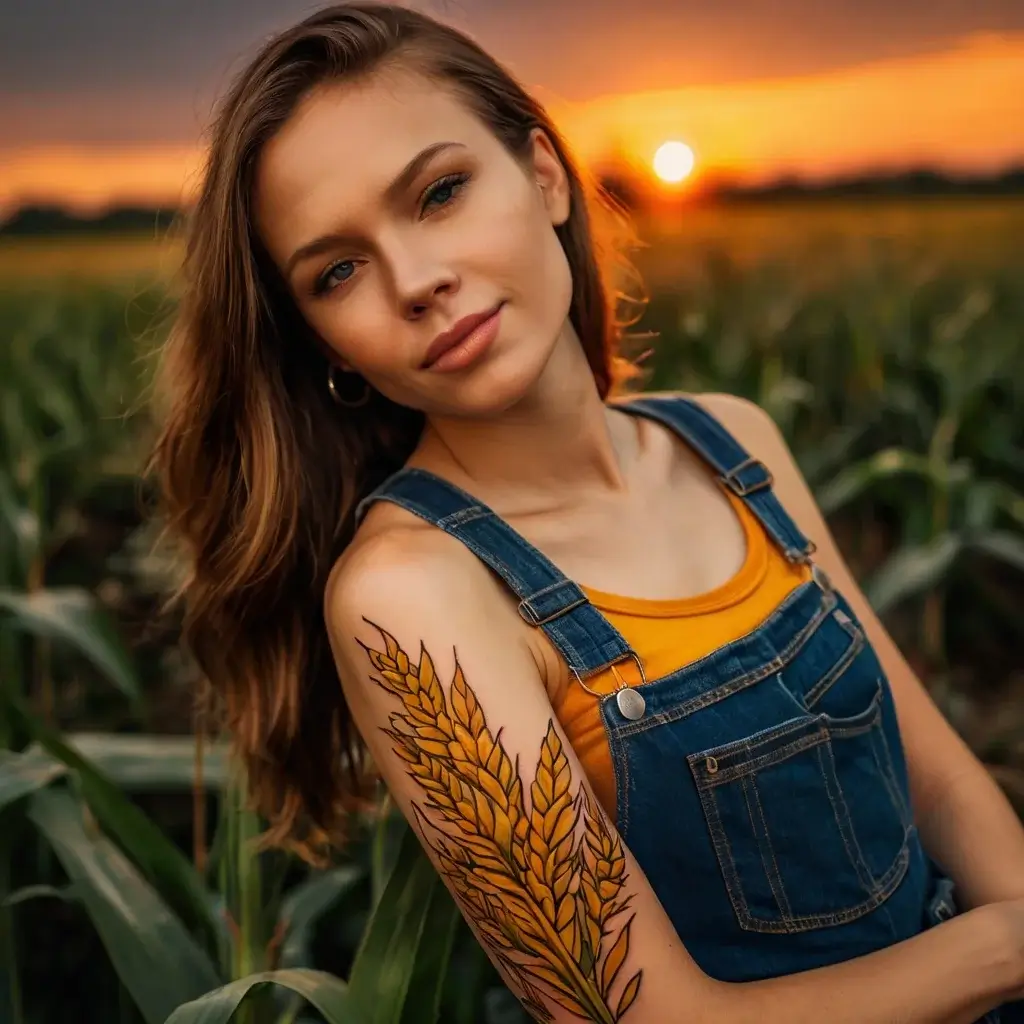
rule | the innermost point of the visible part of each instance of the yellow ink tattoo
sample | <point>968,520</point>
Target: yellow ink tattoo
<point>543,897</point>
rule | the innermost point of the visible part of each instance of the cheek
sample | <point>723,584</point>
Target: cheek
<point>534,260</point>
<point>364,336</point>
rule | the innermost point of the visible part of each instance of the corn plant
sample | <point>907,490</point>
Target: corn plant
<point>167,961</point>
<point>894,366</point>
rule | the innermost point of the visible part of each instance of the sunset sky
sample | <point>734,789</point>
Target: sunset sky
<point>107,100</point>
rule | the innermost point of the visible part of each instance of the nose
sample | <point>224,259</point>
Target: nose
<point>419,278</point>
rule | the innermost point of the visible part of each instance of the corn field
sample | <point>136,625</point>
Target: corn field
<point>887,341</point>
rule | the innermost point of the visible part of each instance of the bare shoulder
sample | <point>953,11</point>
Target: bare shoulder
<point>420,581</point>
<point>747,422</point>
<point>719,403</point>
<point>742,417</point>
<point>399,560</point>
<point>391,551</point>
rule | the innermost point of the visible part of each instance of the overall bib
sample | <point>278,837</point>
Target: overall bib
<point>763,789</point>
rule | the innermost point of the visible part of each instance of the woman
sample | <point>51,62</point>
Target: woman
<point>673,790</point>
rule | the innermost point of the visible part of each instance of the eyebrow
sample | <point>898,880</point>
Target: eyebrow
<point>400,183</point>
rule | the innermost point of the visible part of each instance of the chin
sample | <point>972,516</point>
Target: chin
<point>492,388</point>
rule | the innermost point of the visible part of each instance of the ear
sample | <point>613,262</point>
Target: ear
<point>550,177</point>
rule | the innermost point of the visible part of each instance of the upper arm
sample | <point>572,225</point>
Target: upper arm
<point>935,753</point>
<point>449,700</point>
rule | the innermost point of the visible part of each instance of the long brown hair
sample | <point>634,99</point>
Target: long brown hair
<point>258,470</point>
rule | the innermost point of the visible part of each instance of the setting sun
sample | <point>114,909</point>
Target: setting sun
<point>673,161</point>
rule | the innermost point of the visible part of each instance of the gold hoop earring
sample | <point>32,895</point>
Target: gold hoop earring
<point>348,403</point>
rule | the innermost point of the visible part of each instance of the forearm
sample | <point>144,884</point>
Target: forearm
<point>950,974</point>
<point>972,831</point>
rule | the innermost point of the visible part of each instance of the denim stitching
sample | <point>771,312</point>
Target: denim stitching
<point>620,764</point>
<point>906,812</point>
<point>608,650</point>
<point>567,648</point>
<point>871,717</point>
<point>483,554</point>
<point>723,854</point>
<point>565,645</point>
<point>885,771</point>
<point>822,733</point>
<point>463,515</point>
<point>798,706</point>
<point>772,513</point>
<point>692,436</point>
<point>841,812</point>
<point>578,599</point>
<point>727,868</point>
<point>873,729</point>
<point>724,776</point>
<point>566,582</point>
<point>816,692</point>
<point>775,519</point>
<point>768,736</point>
<point>760,827</point>
<point>731,686</point>
<point>805,922</point>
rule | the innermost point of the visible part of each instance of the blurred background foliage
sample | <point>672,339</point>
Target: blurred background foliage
<point>884,337</point>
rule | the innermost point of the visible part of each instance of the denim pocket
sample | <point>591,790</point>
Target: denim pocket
<point>806,819</point>
<point>848,655</point>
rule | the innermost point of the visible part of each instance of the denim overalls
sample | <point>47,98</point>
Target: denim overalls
<point>763,790</point>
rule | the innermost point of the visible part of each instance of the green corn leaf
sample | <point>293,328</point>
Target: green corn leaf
<point>67,893</point>
<point>161,862</point>
<point>142,762</point>
<point>1003,545</point>
<point>911,570</point>
<point>304,905</point>
<point>387,984</point>
<point>72,615</point>
<point>853,481</point>
<point>21,523</point>
<point>325,992</point>
<point>24,773</point>
<point>433,957</point>
<point>158,962</point>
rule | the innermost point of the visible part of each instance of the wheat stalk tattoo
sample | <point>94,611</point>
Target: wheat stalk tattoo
<point>545,898</point>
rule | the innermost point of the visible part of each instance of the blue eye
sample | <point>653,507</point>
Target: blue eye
<point>452,184</point>
<point>321,283</point>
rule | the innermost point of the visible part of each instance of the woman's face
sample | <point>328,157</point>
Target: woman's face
<point>470,228</point>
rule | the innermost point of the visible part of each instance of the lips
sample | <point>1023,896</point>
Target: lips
<point>456,333</point>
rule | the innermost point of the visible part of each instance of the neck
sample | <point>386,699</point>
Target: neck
<point>554,447</point>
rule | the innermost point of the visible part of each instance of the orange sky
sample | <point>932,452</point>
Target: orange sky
<point>961,108</point>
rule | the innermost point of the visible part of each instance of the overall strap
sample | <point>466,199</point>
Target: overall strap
<point>747,477</point>
<point>547,598</point>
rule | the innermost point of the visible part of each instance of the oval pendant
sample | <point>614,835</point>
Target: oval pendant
<point>631,703</point>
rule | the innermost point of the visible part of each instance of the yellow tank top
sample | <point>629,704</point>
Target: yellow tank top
<point>670,634</point>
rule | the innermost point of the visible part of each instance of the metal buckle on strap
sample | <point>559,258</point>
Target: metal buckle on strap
<point>630,654</point>
<point>741,490</point>
<point>639,664</point>
<point>801,556</point>
<point>529,615</point>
